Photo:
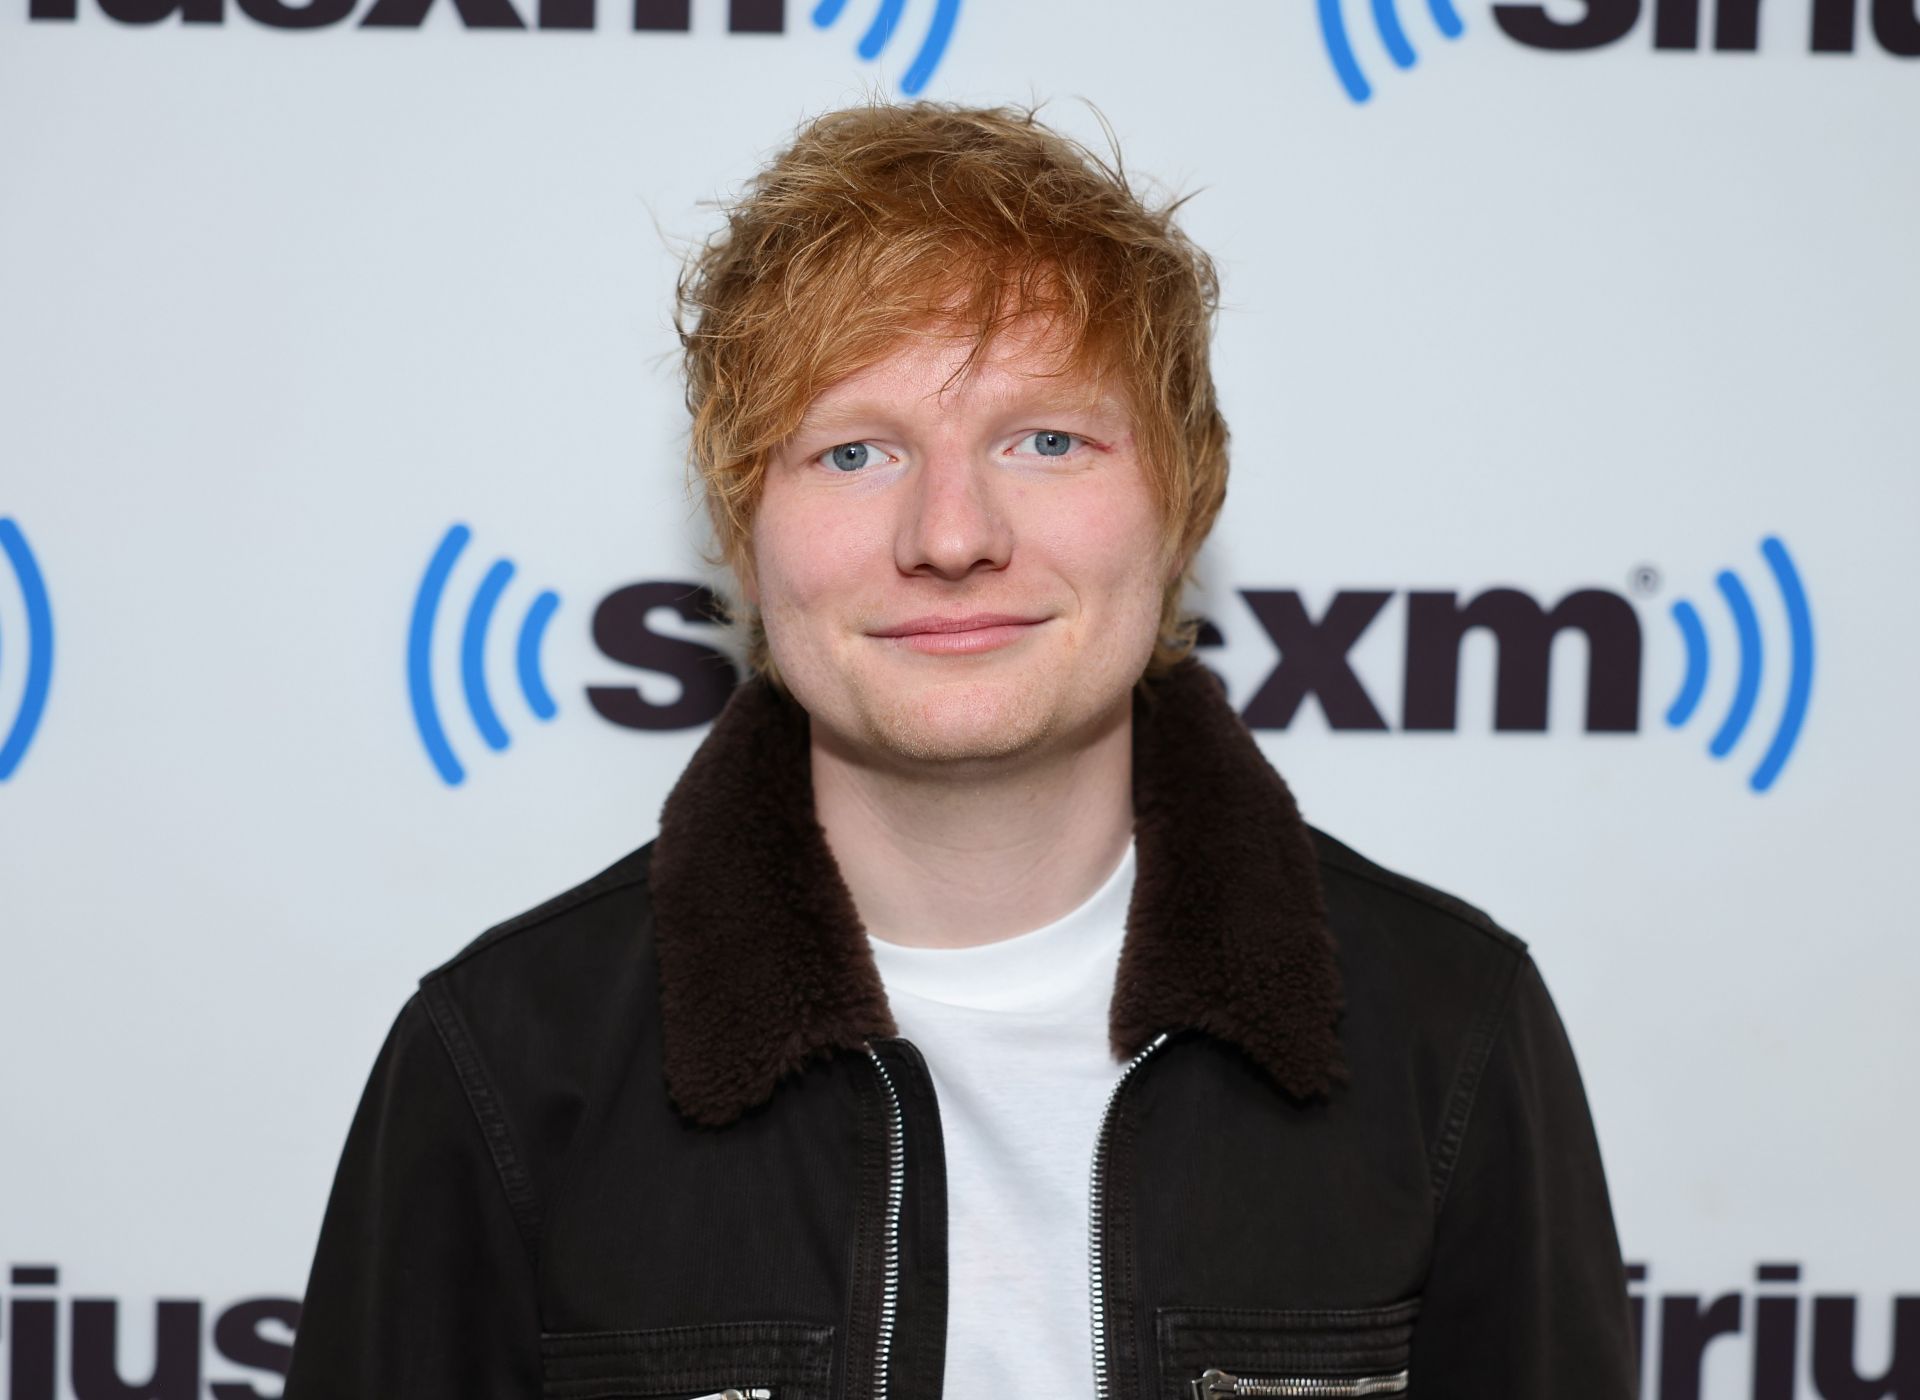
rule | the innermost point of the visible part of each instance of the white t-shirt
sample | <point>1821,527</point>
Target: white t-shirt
<point>1015,1036</point>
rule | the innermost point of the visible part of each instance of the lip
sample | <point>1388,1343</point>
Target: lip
<point>958,635</point>
<point>969,622</point>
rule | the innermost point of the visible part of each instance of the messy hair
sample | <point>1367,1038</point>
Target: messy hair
<point>883,219</point>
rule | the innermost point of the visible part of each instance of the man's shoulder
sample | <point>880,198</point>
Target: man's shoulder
<point>1419,957</point>
<point>576,910</point>
<point>571,963</point>
<point>1354,881</point>
<point>541,1012</point>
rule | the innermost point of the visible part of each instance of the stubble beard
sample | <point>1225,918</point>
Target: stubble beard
<point>960,724</point>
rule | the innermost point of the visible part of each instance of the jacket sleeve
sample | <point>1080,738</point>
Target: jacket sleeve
<point>1527,1295</point>
<point>421,1286</point>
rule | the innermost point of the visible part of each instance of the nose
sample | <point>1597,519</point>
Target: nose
<point>953,524</point>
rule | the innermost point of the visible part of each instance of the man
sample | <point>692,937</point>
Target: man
<point>984,1021</point>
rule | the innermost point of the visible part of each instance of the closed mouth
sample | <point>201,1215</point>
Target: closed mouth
<point>973,622</point>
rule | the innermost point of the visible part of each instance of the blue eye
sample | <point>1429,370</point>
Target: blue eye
<point>1051,444</point>
<point>848,456</point>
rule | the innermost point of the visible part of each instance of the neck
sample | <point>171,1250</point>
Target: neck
<point>954,859</point>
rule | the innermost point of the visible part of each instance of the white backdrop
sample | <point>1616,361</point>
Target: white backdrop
<point>280,306</point>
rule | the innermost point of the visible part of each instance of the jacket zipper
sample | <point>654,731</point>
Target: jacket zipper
<point>1096,1242</point>
<point>1216,1382</point>
<point>896,1189</point>
<point>757,1393</point>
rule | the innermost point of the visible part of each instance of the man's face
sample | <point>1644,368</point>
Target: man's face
<point>966,572</point>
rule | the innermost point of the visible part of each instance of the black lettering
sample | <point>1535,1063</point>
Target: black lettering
<point>566,14</point>
<point>1685,1332</point>
<point>475,14</point>
<point>1637,1316</point>
<point>1736,26</point>
<point>153,11</point>
<point>1313,659</point>
<point>176,1353</point>
<point>1524,632</point>
<point>52,9</point>
<point>1896,24</point>
<point>757,16</point>
<point>1603,23</point>
<point>705,674</point>
<point>237,1337</point>
<point>315,14</point>
<point>1834,1375</point>
<point>1833,22</point>
<point>30,1324</point>
<point>743,16</point>
<point>1676,24</point>
<point>1776,1326</point>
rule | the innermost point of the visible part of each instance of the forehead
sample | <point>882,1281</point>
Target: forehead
<point>1027,363</point>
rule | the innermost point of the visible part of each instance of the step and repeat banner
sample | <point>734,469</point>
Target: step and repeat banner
<point>351,592</point>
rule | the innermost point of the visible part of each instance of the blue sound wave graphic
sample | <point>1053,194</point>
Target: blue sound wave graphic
<point>886,19</point>
<point>473,639</point>
<point>1386,19</point>
<point>38,651</point>
<point>1746,626</point>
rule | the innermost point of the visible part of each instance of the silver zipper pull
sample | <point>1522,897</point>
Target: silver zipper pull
<point>758,1393</point>
<point>1216,1382</point>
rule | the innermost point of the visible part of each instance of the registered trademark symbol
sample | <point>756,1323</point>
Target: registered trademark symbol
<point>1644,580</point>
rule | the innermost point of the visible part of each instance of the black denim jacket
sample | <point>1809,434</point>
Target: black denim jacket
<point>658,1137</point>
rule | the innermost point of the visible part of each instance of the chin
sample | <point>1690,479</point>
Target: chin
<point>978,718</point>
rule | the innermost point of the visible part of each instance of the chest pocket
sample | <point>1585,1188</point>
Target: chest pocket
<point>1215,1353</point>
<point>708,1361</point>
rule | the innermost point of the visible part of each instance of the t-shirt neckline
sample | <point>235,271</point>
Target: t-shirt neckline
<point>1026,971</point>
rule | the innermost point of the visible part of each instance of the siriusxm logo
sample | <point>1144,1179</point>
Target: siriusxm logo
<point>477,621</point>
<point>621,630</point>
<point>1314,658</point>
<point>1747,632</point>
<point>887,18</point>
<point>879,32</point>
<point>186,1339</point>
<point>1686,1327</point>
<point>1386,19</point>
<point>34,650</point>
<point>1573,25</point>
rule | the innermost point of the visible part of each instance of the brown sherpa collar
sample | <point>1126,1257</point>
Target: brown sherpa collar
<point>764,964</point>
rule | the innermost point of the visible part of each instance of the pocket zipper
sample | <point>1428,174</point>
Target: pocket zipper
<point>758,1393</point>
<point>1217,1382</point>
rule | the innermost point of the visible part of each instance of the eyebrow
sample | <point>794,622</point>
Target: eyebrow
<point>1038,398</point>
